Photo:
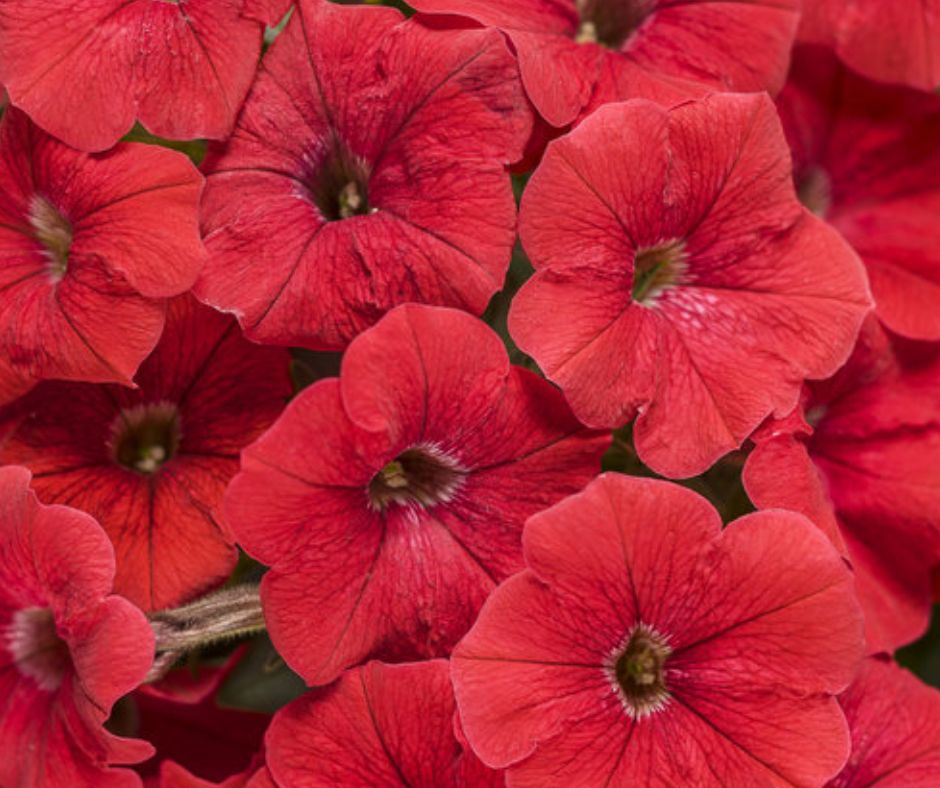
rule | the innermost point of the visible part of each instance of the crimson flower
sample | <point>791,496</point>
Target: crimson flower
<point>85,71</point>
<point>69,648</point>
<point>90,246</point>
<point>576,54</point>
<point>378,725</point>
<point>152,463</point>
<point>645,645</point>
<point>862,466</point>
<point>198,741</point>
<point>895,725</point>
<point>866,159</point>
<point>390,501</point>
<point>887,40</point>
<point>679,278</point>
<point>368,168</point>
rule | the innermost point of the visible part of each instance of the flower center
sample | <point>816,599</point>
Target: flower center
<point>53,231</point>
<point>610,22</point>
<point>36,648</point>
<point>339,185</point>
<point>637,671</point>
<point>422,475</point>
<point>145,437</point>
<point>656,269</point>
<point>814,188</point>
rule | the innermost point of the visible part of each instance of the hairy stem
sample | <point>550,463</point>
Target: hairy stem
<point>224,615</point>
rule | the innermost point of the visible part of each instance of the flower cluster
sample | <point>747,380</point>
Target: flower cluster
<point>475,393</point>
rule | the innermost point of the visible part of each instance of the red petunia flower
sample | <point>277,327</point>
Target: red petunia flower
<point>198,742</point>
<point>644,644</point>
<point>378,725</point>
<point>90,246</point>
<point>368,169</point>
<point>895,725</point>
<point>863,468</point>
<point>678,277</point>
<point>84,72</point>
<point>866,159</point>
<point>68,648</point>
<point>888,40</point>
<point>576,54</point>
<point>390,501</point>
<point>152,464</point>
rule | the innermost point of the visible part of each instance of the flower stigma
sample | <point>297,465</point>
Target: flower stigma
<point>610,23</point>
<point>339,184</point>
<point>656,269</point>
<point>36,648</point>
<point>423,475</point>
<point>54,232</point>
<point>814,189</point>
<point>146,436</point>
<point>636,671</point>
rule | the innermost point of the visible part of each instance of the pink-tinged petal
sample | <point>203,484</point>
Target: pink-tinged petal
<point>746,688</point>
<point>386,108</point>
<point>54,535</point>
<point>55,580</point>
<point>746,291</point>
<point>885,40</point>
<point>182,69</point>
<point>114,653</point>
<point>378,725</point>
<point>865,159</point>
<point>895,724</point>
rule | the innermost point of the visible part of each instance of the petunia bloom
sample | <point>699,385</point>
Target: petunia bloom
<point>85,71</point>
<point>389,502</point>
<point>894,41</point>
<point>895,724</point>
<point>90,248</point>
<point>576,54</point>
<point>678,278</point>
<point>865,158</point>
<point>152,463</point>
<point>368,169</point>
<point>68,647</point>
<point>198,743</point>
<point>643,645</point>
<point>859,458</point>
<point>389,725</point>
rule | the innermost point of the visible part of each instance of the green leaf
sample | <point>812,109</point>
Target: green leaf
<point>923,656</point>
<point>261,681</point>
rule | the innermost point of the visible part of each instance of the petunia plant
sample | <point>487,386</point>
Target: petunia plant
<point>466,393</point>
